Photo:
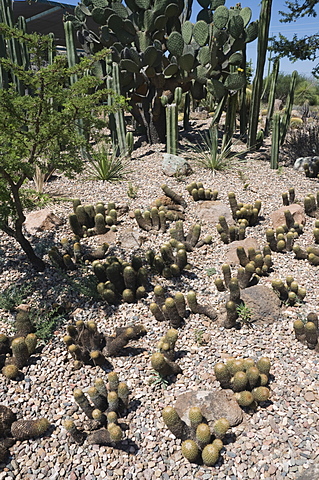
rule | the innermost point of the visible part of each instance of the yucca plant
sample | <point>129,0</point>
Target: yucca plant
<point>106,166</point>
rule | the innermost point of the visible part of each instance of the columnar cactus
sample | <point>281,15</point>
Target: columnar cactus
<point>231,233</point>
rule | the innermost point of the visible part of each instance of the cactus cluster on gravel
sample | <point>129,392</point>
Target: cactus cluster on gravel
<point>307,331</point>
<point>73,253</point>
<point>261,261</point>
<point>200,442</point>
<point>103,405</point>
<point>163,361</point>
<point>171,260</point>
<point>288,197</point>
<point>311,204</point>
<point>288,291</point>
<point>282,239</point>
<point>12,430</point>
<point>247,378</point>
<point>231,233</point>
<point>198,192</point>
<point>15,353</point>
<point>311,253</point>
<point>174,309</point>
<point>88,220</point>
<point>245,211</point>
<point>88,346</point>
<point>121,280</point>
<point>192,239</point>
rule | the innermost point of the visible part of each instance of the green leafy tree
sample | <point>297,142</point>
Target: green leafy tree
<point>42,125</point>
<point>305,48</point>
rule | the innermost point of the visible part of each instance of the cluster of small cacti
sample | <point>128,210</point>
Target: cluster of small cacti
<point>231,233</point>
<point>311,254</point>
<point>261,261</point>
<point>73,253</point>
<point>171,260</point>
<point>174,310</point>
<point>234,300</point>
<point>12,429</point>
<point>198,192</point>
<point>15,351</point>
<point>288,197</point>
<point>200,444</point>
<point>192,239</point>
<point>108,403</point>
<point>163,360</point>
<point>290,291</point>
<point>247,378</point>
<point>88,346</point>
<point>245,276</point>
<point>244,211</point>
<point>311,204</point>
<point>282,239</point>
<point>312,170</point>
<point>307,332</point>
<point>121,280</point>
<point>88,220</point>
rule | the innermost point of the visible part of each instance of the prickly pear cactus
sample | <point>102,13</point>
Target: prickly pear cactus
<point>157,53</point>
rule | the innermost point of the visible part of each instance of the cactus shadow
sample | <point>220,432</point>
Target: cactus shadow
<point>181,354</point>
<point>129,446</point>
<point>130,352</point>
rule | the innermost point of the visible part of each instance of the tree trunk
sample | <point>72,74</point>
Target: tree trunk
<point>26,246</point>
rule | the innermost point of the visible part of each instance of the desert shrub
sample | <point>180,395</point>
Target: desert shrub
<point>302,142</point>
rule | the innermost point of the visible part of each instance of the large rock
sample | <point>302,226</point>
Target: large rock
<point>263,302</point>
<point>302,161</point>
<point>130,239</point>
<point>41,220</point>
<point>214,404</point>
<point>174,166</point>
<point>231,254</point>
<point>209,212</point>
<point>297,211</point>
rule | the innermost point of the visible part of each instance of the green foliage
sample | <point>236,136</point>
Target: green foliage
<point>47,320</point>
<point>307,89</point>
<point>244,314</point>
<point>158,381</point>
<point>305,48</point>
<point>106,166</point>
<point>43,125</point>
<point>132,191</point>
<point>14,295</point>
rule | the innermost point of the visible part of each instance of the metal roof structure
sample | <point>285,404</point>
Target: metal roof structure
<point>43,16</point>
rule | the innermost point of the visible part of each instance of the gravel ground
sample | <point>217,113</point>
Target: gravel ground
<point>278,441</point>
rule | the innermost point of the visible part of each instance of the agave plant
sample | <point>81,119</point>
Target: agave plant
<point>209,155</point>
<point>106,166</point>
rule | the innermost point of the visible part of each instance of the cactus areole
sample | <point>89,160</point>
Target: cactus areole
<point>158,49</point>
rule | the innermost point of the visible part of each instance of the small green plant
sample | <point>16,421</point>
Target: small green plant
<point>244,314</point>
<point>47,320</point>
<point>14,295</point>
<point>132,191</point>
<point>199,336</point>
<point>158,381</point>
<point>280,170</point>
<point>106,166</point>
<point>210,271</point>
<point>244,179</point>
